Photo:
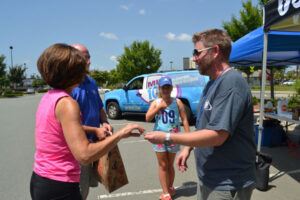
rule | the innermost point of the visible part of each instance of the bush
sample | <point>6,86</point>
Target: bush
<point>255,100</point>
<point>297,86</point>
<point>293,102</point>
<point>11,93</point>
<point>274,102</point>
<point>42,90</point>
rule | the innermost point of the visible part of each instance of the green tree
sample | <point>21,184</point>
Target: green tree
<point>272,68</point>
<point>2,66</point>
<point>279,75</point>
<point>101,77</point>
<point>114,77</point>
<point>291,75</point>
<point>263,2</point>
<point>251,17</point>
<point>138,58</point>
<point>16,74</point>
<point>4,82</point>
<point>35,76</point>
<point>38,83</point>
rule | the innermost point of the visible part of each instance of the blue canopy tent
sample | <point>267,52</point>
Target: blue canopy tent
<point>283,49</point>
<point>277,43</point>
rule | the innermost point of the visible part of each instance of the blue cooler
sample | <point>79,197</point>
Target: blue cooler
<point>271,135</point>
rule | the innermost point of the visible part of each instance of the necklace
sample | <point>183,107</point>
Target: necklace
<point>205,94</point>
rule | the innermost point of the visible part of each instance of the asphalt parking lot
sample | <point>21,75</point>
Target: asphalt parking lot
<point>17,121</point>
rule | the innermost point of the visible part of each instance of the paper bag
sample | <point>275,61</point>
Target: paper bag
<point>110,170</point>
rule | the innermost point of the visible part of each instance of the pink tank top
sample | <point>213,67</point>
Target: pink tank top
<point>53,158</point>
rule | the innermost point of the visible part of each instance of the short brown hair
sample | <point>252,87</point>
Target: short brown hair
<point>213,37</point>
<point>62,66</point>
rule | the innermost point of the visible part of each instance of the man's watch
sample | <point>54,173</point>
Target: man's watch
<point>168,140</point>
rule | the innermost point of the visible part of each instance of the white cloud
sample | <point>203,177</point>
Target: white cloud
<point>110,36</point>
<point>142,12</point>
<point>124,7</point>
<point>170,36</point>
<point>182,37</point>
<point>113,58</point>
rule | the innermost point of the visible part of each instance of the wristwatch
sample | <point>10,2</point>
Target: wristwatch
<point>168,140</point>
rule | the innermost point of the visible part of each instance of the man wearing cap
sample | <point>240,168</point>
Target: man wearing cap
<point>223,142</point>
<point>93,114</point>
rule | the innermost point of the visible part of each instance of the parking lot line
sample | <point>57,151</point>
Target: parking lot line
<point>138,141</point>
<point>143,192</point>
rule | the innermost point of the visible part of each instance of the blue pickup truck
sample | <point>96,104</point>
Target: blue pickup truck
<point>138,93</point>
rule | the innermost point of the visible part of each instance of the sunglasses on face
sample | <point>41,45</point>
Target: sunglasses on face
<point>197,52</point>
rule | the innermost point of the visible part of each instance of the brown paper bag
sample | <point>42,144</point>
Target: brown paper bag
<point>110,170</point>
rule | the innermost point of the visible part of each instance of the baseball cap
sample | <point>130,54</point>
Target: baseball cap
<point>165,80</point>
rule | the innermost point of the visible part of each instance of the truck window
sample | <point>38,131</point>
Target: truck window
<point>136,84</point>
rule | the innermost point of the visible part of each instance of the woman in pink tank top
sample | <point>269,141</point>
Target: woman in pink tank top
<point>61,142</point>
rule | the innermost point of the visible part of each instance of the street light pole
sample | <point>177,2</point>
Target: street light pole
<point>11,57</point>
<point>171,62</point>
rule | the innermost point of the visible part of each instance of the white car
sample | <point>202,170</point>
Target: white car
<point>103,90</point>
<point>288,83</point>
<point>30,90</point>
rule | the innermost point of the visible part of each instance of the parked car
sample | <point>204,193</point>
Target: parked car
<point>138,93</point>
<point>288,83</point>
<point>103,90</point>
<point>30,90</point>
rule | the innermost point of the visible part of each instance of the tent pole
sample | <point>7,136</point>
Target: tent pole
<point>262,91</point>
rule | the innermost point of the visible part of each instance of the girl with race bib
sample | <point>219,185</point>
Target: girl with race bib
<point>166,111</point>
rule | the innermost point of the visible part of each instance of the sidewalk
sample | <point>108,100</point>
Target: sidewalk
<point>284,172</point>
<point>284,175</point>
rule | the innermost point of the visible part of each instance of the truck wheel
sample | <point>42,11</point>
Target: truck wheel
<point>113,110</point>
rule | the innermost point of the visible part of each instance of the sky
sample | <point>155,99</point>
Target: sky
<point>105,27</point>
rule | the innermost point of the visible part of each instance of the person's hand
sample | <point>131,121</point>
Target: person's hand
<point>108,127</point>
<point>181,161</point>
<point>101,133</point>
<point>156,137</point>
<point>162,104</point>
<point>127,131</point>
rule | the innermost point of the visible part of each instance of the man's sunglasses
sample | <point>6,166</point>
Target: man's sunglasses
<point>197,52</point>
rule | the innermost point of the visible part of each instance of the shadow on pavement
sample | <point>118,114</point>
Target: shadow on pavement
<point>140,117</point>
<point>286,160</point>
<point>186,190</point>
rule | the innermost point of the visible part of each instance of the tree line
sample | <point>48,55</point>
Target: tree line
<point>140,57</point>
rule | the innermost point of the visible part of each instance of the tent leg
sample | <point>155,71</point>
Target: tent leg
<point>262,91</point>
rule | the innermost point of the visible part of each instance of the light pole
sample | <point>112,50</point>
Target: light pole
<point>11,57</point>
<point>171,62</point>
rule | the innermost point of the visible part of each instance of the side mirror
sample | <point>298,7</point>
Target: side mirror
<point>125,87</point>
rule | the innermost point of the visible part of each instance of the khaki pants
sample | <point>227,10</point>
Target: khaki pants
<point>205,193</point>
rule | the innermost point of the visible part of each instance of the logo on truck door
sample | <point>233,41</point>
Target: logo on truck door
<point>151,91</point>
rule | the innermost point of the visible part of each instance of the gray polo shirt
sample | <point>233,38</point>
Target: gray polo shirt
<point>228,106</point>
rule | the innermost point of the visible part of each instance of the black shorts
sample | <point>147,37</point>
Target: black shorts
<point>46,189</point>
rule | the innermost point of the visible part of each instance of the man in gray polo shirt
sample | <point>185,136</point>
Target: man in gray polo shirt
<point>223,142</point>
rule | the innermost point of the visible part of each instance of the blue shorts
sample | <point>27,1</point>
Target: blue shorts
<point>174,148</point>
